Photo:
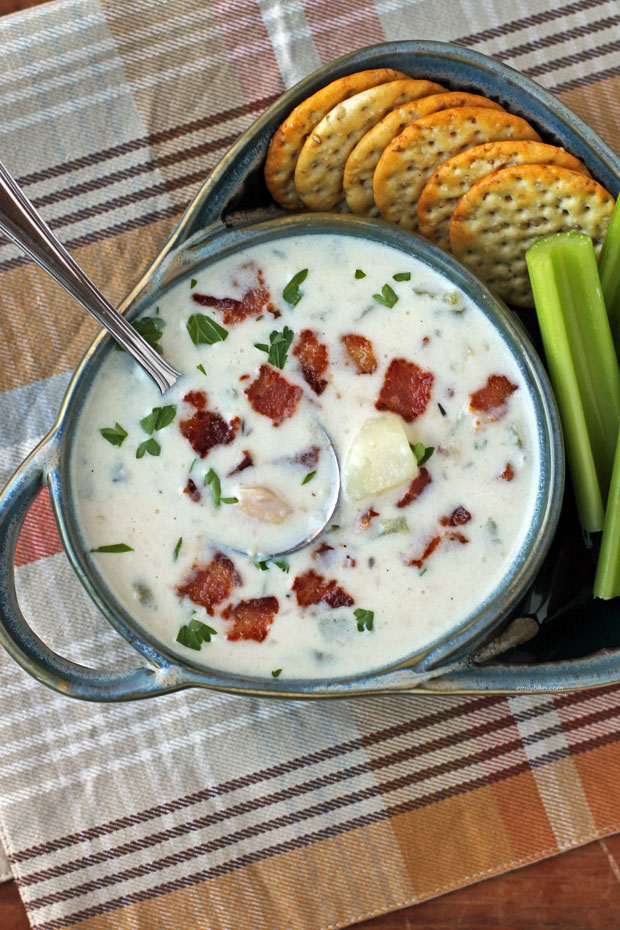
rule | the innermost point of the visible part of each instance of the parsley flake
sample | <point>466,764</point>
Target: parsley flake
<point>359,273</point>
<point>177,548</point>
<point>276,673</point>
<point>114,547</point>
<point>292,293</point>
<point>279,344</point>
<point>262,566</point>
<point>365,619</point>
<point>212,479</point>
<point>203,330</point>
<point>193,283</point>
<point>201,368</point>
<point>387,297</point>
<point>150,328</point>
<point>194,634</point>
<point>309,477</point>
<point>402,276</point>
<point>421,452</point>
<point>149,445</point>
<point>114,434</point>
<point>158,418</point>
<point>283,565</point>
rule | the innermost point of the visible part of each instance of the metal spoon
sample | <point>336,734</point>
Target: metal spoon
<point>20,222</point>
<point>27,229</point>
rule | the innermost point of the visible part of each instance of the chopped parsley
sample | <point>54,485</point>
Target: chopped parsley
<point>387,297</point>
<point>279,344</point>
<point>442,410</point>
<point>149,445</point>
<point>201,368</point>
<point>150,328</point>
<point>193,283</point>
<point>292,293</point>
<point>282,564</point>
<point>423,572</point>
<point>114,434</point>
<point>158,418</point>
<point>481,444</point>
<point>177,548</point>
<point>114,547</point>
<point>365,619</point>
<point>212,479</point>
<point>203,330</point>
<point>309,477</point>
<point>262,566</point>
<point>276,673</point>
<point>402,276</point>
<point>359,273</point>
<point>421,452</point>
<point>396,525</point>
<point>194,634</point>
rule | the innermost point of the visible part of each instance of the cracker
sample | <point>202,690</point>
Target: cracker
<point>409,160</point>
<point>320,166</point>
<point>454,177</point>
<point>289,138</point>
<point>502,215</point>
<point>361,163</point>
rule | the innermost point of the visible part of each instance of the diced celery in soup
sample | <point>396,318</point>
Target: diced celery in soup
<point>181,499</point>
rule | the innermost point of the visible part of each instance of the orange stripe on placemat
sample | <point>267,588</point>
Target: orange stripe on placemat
<point>39,536</point>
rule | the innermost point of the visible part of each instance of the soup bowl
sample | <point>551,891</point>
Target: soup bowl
<point>164,668</point>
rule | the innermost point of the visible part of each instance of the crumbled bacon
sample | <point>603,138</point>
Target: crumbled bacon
<point>197,399</point>
<point>360,351</point>
<point>311,588</point>
<point>308,458</point>
<point>508,473</point>
<point>493,397</point>
<point>406,389</point>
<point>430,548</point>
<point>313,359</point>
<point>207,429</point>
<point>349,562</point>
<point>455,536</point>
<point>323,548</point>
<point>365,520</point>
<point>192,490</point>
<point>246,462</point>
<point>255,301</point>
<point>210,584</point>
<point>251,619</point>
<point>458,517</point>
<point>272,395</point>
<point>421,480</point>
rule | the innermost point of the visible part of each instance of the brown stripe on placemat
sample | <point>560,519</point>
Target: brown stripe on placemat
<point>575,83</point>
<point>597,102</point>
<point>525,22</point>
<point>575,58</point>
<point>557,38</point>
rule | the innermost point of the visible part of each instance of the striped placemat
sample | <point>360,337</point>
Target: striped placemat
<point>207,810</point>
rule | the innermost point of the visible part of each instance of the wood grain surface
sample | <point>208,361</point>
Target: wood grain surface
<point>579,890</point>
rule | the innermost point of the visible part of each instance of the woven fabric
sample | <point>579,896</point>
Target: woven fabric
<point>207,810</point>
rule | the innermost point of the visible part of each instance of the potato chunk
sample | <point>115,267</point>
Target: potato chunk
<point>379,458</point>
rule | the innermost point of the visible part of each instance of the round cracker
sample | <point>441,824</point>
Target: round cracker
<point>361,163</point>
<point>501,216</point>
<point>320,166</point>
<point>409,160</point>
<point>289,138</point>
<point>454,177</point>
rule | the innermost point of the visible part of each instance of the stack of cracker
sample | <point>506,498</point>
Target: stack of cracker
<point>453,166</point>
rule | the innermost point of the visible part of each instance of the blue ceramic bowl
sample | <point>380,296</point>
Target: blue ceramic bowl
<point>216,222</point>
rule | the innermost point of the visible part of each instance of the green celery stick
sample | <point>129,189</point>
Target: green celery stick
<point>609,272</point>
<point>552,279</point>
<point>607,578</point>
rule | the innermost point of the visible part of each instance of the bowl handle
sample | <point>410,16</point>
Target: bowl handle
<point>24,645</point>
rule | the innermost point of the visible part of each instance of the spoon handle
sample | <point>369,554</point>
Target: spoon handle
<point>20,222</point>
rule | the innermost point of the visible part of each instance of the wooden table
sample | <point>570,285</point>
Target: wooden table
<point>579,890</point>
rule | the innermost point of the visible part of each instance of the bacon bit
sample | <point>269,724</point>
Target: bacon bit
<point>246,462</point>
<point>493,396</point>
<point>456,537</point>
<point>323,548</point>
<point>192,490</point>
<point>508,473</point>
<point>207,429</point>
<point>313,359</point>
<point>425,341</point>
<point>309,458</point>
<point>197,399</point>
<point>365,520</point>
<point>210,584</point>
<point>273,396</point>
<point>406,389</point>
<point>421,480</point>
<point>255,301</point>
<point>350,560</point>
<point>311,588</point>
<point>251,619</point>
<point>243,377</point>
<point>360,351</point>
<point>458,517</point>
<point>418,563</point>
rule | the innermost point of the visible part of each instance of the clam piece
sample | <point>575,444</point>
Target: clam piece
<point>263,504</point>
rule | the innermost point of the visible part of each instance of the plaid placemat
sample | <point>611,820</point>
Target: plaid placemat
<point>206,810</point>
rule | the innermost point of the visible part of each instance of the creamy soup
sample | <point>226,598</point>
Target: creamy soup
<point>292,352</point>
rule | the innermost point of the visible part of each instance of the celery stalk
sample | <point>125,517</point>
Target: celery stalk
<point>554,265</point>
<point>609,272</point>
<point>607,578</point>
